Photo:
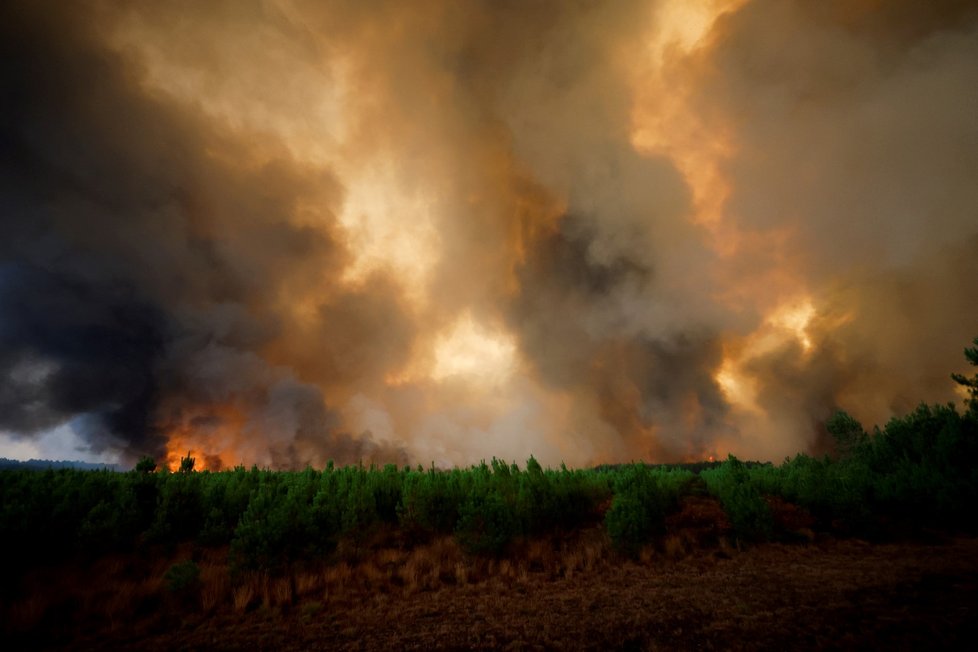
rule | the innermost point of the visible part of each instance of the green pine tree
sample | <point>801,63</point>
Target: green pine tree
<point>971,354</point>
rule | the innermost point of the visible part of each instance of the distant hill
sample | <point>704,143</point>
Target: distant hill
<point>42,465</point>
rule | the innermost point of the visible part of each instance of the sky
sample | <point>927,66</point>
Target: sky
<point>279,232</point>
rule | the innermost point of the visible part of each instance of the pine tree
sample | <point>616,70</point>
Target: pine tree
<point>971,354</point>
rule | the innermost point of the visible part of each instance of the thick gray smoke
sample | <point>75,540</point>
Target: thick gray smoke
<point>286,231</point>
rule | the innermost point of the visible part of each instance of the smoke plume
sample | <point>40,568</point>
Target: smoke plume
<point>283,231</point>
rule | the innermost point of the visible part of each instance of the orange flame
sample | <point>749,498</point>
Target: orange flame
<point>210,435</point>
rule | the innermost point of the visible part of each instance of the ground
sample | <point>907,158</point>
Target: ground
<point>826,594</point>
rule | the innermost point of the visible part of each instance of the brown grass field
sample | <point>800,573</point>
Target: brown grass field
<point>692,590</point>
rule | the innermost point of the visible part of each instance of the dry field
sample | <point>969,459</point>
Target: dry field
<point>575,594</point>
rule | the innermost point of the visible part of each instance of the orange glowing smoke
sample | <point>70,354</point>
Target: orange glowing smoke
<point>390,216</point>
<point>663,123</point>
<point>430,158</point>
<point>210,435</point>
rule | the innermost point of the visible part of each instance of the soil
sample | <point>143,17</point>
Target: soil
<point>830,594</point>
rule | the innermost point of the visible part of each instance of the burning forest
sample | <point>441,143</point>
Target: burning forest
<point>283,232</point>
<point>305,280</point>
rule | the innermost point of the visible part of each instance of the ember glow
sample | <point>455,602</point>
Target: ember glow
<point>283,232</point>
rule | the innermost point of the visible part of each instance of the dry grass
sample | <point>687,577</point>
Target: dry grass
<point>539,555</point>
<point>420,572</point>
<point>461,573</point>
<point>122,591</point>
<point>572,561</point>
<point>307,583</point>
<point>243,595</point>
<point>264,590</point>
<point>646,554</point>
<point>215,586</point>
<point>375,573</point>
<point>281,591</point>
<point>119,589</point>
<point>338,574</point>
<point>674,547</point>
<point>115,597</point>
<point>576,593</point>
<point>120,601</point>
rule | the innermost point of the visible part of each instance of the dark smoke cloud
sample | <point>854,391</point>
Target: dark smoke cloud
<point>144,254</point>
<point>657,391</point>
<point>73,348</point>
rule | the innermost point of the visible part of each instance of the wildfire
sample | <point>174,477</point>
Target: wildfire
<point>174,459</point>
<point>209,435</point>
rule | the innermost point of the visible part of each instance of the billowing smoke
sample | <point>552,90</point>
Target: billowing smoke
<point>282,232</point>
<point>852,137</point>
<point>145,255</point>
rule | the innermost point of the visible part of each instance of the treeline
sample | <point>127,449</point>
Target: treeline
<point>40,465</point>
<point>273,518</point>
<point>919,471</point>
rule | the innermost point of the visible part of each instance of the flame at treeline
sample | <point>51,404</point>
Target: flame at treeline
<point>280,232</point>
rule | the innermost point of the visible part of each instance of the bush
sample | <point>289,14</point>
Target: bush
<point>430,502</point>
<point>637,510</point>
<point>276,529</point>
<point>182,577</point>
<point>179,515</point>
<point>486,524</point>
<point>358,506</point>
<point>850,438</point>
<point>145,465</point>
<point>100,529</point>
<point>747,510</point>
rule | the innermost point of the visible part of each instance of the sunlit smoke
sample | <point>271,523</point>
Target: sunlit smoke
<point>474,353</point>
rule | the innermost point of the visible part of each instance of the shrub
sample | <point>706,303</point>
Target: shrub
<point>430,501</point>
<point>187,464</point>
<point>849,436</point>
<point>325,515</point>
<point>257,539</point>
<point>742,501</point>
<point>100,530</point>
<point>145,465</point>
<point>182,577</point>
<point>486,524</point>
<point>358,506</point>
<point>637,510</point>
<point>275,529</point>
<point>386,487</point>
<point>179,515</point>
